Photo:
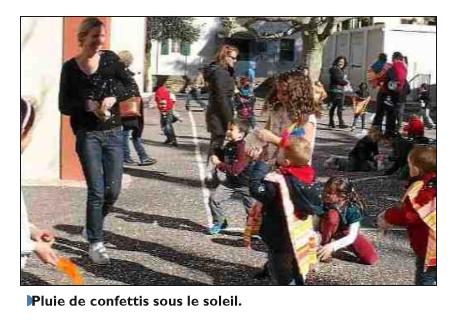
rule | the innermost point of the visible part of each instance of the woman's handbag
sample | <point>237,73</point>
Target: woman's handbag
<point>130,108</point>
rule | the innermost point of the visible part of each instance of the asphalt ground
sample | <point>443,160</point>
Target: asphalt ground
<point>156,235</point>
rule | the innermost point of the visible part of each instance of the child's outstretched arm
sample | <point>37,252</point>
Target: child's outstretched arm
<point>259,189</point>
<point>326,251</point>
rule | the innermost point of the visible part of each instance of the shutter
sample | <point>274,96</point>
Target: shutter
<point>165,47</point>
<point>185,48</point>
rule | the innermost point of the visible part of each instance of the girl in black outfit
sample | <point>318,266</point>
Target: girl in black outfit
<point>338,81</point>
<point>92,85</point>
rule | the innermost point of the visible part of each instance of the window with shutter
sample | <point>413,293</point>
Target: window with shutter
<point>165,47</point>
<point>185,48</point>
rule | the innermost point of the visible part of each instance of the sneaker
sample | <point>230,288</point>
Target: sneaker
<point>217,228</point>
<point>98,254</point>
<point>174,143</point>
<point>343,126</point>
<point>129,162</point>
<point>147,162</point>
<point>353,128</point>
<point>168,141</point>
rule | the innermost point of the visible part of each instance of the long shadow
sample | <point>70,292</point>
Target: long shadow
<point>256,245</point>
<point>162,221</point>
<point>222,272</point>
<point>155,175</point>
<point>126,272</point>
<point>28,279</point>
<point>185,147</point>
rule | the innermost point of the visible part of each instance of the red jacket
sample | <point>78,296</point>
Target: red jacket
<point>406,216</point>
<point>162,94</point>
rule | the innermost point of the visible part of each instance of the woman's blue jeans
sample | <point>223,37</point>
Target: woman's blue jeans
<point>101,156</point>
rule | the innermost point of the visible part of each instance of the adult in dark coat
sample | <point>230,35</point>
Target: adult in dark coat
<point>220,76</point>
<point>134,126</point>
<point>338,82</point>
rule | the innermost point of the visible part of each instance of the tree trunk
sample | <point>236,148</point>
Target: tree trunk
<point>148,78</point>
<point>313,54</point>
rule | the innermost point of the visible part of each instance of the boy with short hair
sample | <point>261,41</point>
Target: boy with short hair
<point>236,167</point>
<point>290,197</point>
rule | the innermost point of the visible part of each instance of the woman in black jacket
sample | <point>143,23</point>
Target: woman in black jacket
<point>220,76</point>
<point>92,85</point>
<point>338,81</point>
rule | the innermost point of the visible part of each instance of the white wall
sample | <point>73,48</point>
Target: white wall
<point>129,33</point>
<point>418,43</point>
<point>41,61</point>
<point>202,51</point>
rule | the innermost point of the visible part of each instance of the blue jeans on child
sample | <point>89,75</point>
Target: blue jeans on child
<point>101,156</point>
<point>167,126</point>
<point>137,143</point>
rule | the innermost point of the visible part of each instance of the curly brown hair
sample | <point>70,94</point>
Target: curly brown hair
<point>300,93</point>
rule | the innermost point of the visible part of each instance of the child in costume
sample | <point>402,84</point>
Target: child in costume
<point>360,102</point>
<point>245,102</point>
<point>290,197</point>
<point>237,170</point>
<point>417,212</point>
<point>339,226</point>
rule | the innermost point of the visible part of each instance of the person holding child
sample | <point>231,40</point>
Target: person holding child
<point>290,198</point>
<point>236,167</point>
<point>417,212</point>
<point>33,239</point>
<point>339,226</point>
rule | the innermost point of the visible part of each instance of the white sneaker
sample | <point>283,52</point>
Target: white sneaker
<point>98,254</point>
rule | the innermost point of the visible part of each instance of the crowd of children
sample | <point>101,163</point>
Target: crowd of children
<point>302,221</point>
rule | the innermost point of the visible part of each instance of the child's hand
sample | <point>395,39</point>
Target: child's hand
<point>46,254</point>
<point>215,160</point>
<point>42,235</point>
<point>254,153</point>
<point>325,252</point>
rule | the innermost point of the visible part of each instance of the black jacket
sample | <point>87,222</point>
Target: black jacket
<point>221,87</point>
<point>337,79</point>
<point>110,80</point>
<point>306,199</point>
<point>365,149</point>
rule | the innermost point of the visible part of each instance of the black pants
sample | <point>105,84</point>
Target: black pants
<point>386,106</point>
<point>337,101</point>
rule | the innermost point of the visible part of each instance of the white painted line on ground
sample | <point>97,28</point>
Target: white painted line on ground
<point>202,170</point>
